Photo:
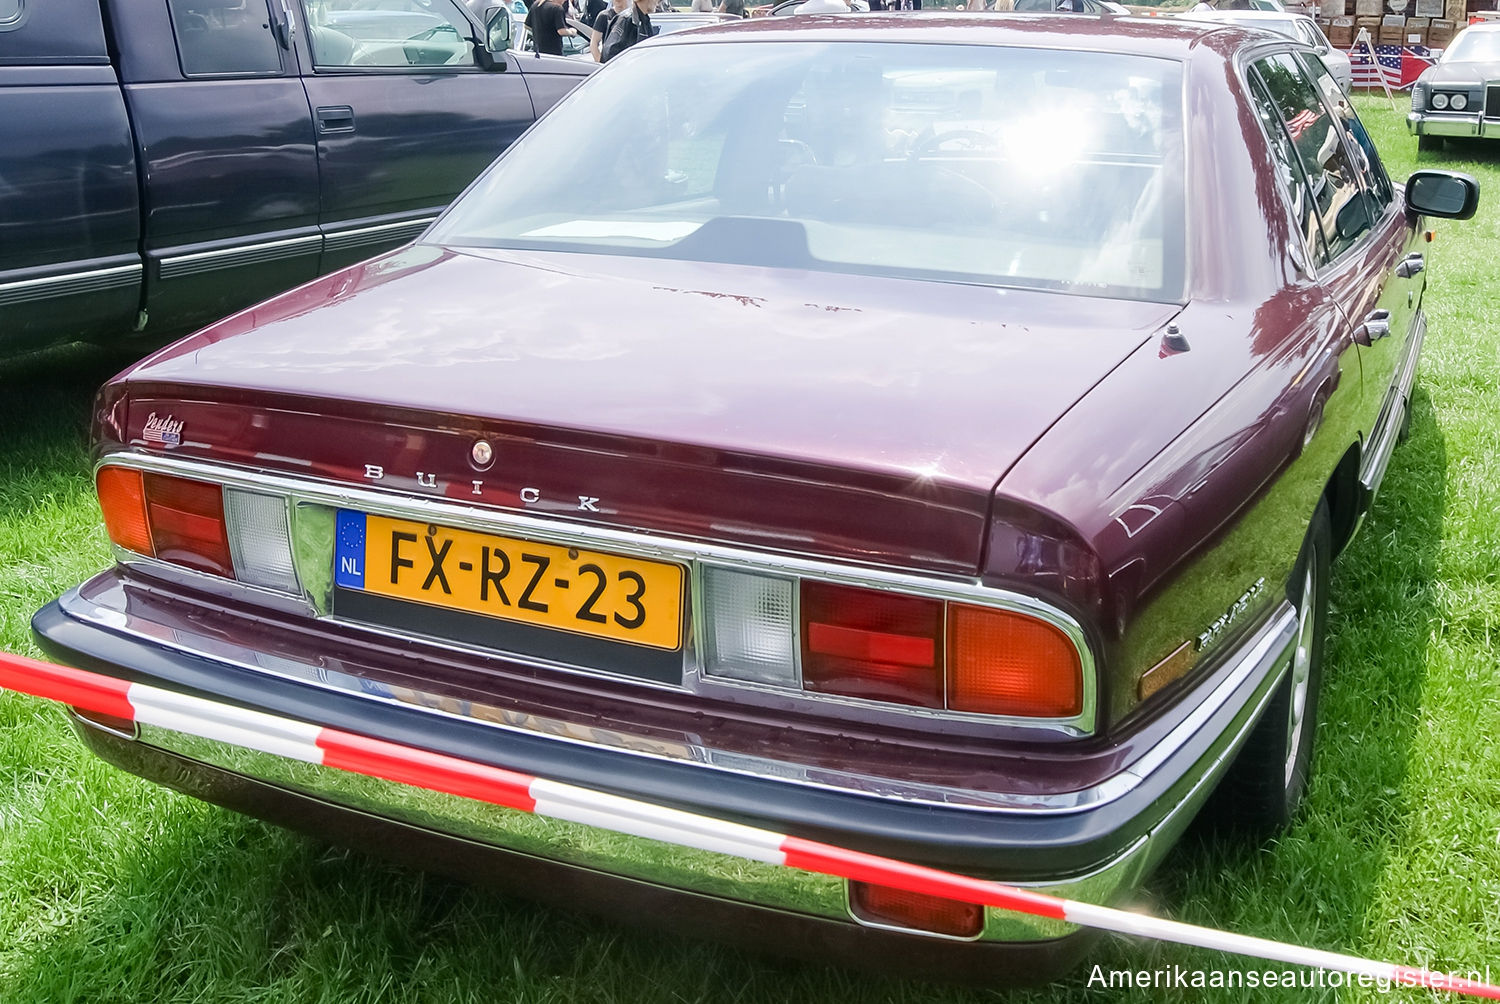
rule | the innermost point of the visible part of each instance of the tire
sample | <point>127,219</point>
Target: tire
<point>1429,144</point>
<point>1265,785</point>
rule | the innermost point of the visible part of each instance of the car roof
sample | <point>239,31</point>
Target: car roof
<point>1152,36</point>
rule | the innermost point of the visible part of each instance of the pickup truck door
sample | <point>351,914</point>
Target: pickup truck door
<point>405,118</point>
<point>70,264</point>
<point>228,164</point>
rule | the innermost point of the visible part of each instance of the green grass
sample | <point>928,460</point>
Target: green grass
<point>115,890</point>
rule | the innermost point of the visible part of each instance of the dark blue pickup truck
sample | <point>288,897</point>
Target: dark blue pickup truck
<point>166,162</point>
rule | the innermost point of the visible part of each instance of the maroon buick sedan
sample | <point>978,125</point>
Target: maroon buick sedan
<point>928,436</point>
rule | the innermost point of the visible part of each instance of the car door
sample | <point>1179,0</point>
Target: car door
<point>1364,230</point>
<point>225,145</point>
<point>405,118</point>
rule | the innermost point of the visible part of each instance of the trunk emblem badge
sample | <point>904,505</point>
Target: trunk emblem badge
<point>482,455</point>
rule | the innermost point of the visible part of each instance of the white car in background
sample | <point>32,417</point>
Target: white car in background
<point>1298,26</point>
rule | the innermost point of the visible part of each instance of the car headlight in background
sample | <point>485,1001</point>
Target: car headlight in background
<point>1440,101</point>
<point>1458,102</point>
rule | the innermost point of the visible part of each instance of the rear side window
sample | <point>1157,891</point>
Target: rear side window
<point>1344,212</point>
<point>10,13</point>
<point>1294,184</point>
<point>224,37</point>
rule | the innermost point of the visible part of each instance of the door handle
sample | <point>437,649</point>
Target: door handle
<point>1377,325</point>
<point>1411,266</point>
<point>335,118</point>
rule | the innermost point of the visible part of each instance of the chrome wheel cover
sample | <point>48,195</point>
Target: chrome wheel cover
<point>1301,671</point>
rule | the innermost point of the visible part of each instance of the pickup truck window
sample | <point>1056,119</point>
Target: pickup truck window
<point>399,33</point>
<point>224,37</point>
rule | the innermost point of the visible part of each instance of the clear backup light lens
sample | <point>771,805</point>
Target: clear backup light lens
<point>1458,102</point>
<point>748,627</point>
<point>258,539</point>
<point>1440,101</point>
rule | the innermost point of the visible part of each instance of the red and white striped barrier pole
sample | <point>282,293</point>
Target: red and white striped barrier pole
<point>389,761</point>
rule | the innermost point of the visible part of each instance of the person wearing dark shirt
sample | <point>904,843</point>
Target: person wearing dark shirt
<point>633,25</point>
<point>592,9</point>
<point>548,22</point>
<point>602,23</point>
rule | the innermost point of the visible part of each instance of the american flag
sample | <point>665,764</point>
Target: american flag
<point>1401,65</point>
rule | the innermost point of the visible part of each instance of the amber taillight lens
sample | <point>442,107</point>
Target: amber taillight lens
<point>878,904</point>
<point>871,644</point>
<point>122,498</point>
<point>1004,663</point>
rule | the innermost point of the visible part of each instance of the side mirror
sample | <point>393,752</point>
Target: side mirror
<point>491,54</point>
<point>1442,193</point>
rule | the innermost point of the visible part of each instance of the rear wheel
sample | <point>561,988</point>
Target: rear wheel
<point>1265,785</point>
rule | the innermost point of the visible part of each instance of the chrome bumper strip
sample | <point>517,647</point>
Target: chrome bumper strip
<point>70,284</point>
<point>1263,653</point>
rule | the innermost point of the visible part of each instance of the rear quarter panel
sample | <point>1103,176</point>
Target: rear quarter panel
<point>1188,476</point>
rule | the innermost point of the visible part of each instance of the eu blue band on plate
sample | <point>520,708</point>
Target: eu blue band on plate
<point>349,550</point>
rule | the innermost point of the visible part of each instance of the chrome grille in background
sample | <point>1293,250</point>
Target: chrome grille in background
<point>1492,101</point>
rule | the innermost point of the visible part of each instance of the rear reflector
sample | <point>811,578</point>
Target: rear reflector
<point>122,498</point>
<point>258,539</point>
<point>871,644</point>
<point>1003,663</point>
<point>881,905</point>
<point>749,627</point>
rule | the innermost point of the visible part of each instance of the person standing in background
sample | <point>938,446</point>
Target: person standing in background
<point>733,7</point>
<point>602,23</point>
<point>631,26</point>
<point>548,22</point>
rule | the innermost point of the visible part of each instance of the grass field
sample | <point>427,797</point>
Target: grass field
<point>113,890</point>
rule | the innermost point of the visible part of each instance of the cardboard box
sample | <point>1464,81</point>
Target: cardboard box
<point>1368,8</point>
<point>1418,23</point>
<point>1391,34</point>
<point>1456,11</point>
<point>1440,33</point>
<point>1393,21</point>
<point>1341,32</point>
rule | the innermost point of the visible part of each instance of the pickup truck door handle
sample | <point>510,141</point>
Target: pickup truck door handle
<point>1377,325</point>
<point>335,118</point>
<point>1411,266</point>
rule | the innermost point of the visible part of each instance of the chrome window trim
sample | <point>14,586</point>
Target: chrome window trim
<point>688,554</point>
<point>1270,641</point>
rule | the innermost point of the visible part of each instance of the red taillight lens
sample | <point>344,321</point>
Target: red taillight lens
<point>878,904</point>
<point>173,519</point>
<point>1002,663</point>
<point>122,498</point>
<point>187,523</point>
<point>866,643</point>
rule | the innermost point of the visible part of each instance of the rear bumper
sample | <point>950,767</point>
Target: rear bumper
<point>1097,852</point>
<point>1451,124</point>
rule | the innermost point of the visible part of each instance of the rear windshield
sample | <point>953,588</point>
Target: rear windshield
<point>1007,166</point>
<point>1474,47</point>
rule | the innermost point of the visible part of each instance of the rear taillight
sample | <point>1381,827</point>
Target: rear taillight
<point>187,523</point>
<point>866,643</point>
<point>883,906</point>
<point>199,525</point>
<point>122,497</point>
<point>1004,663</point>
<point>890,646</point>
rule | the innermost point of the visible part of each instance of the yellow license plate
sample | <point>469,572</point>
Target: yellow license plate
<point>566,588</point>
